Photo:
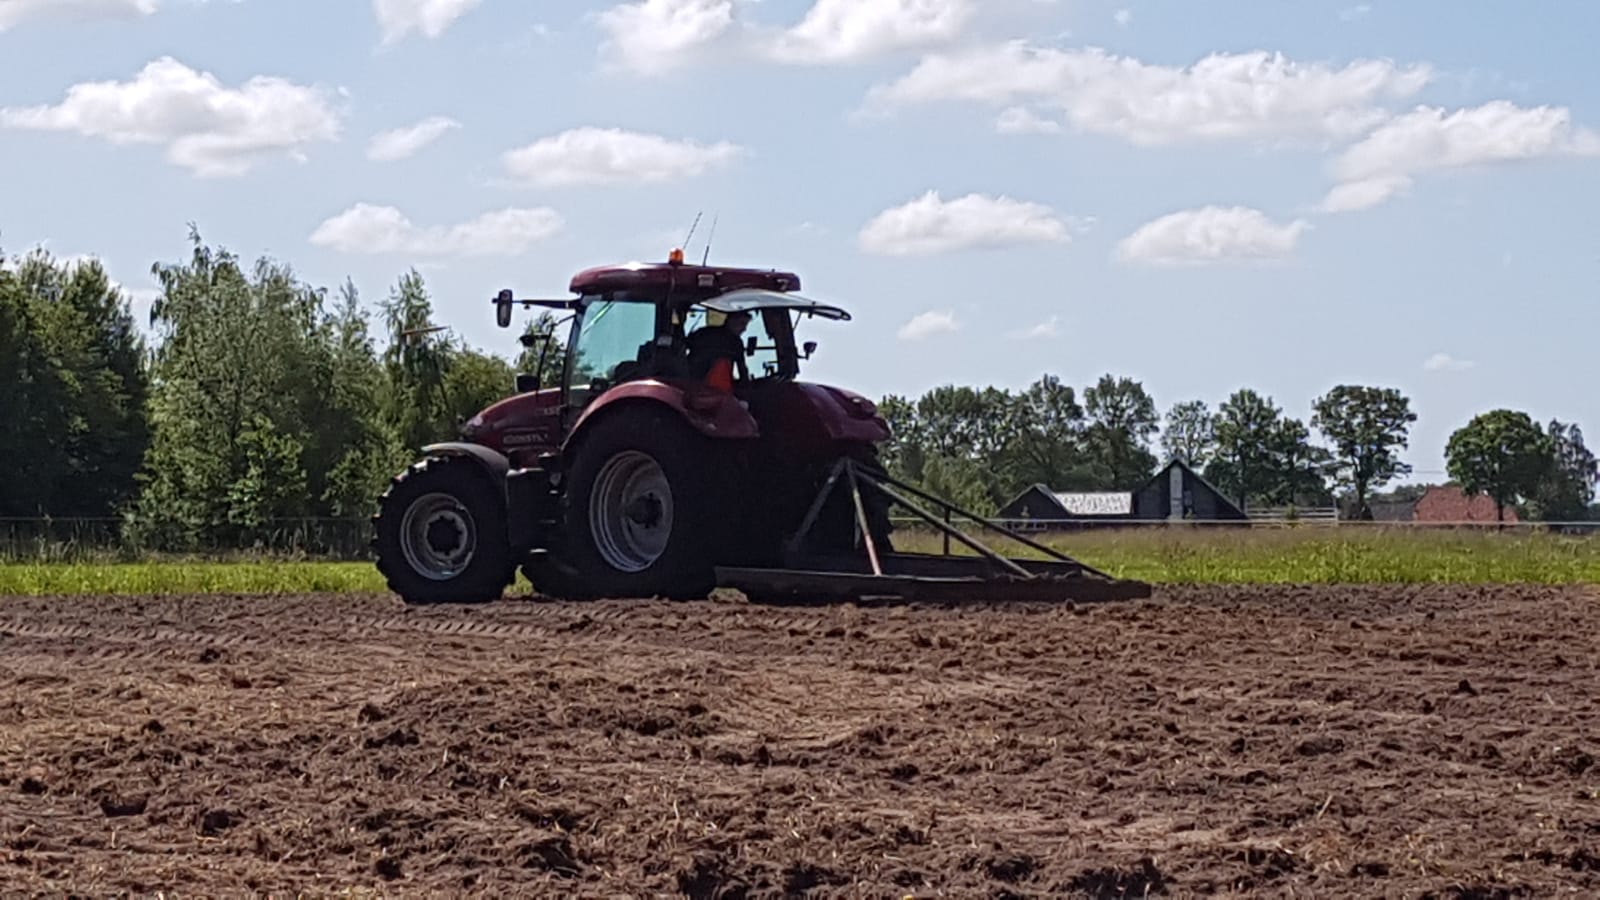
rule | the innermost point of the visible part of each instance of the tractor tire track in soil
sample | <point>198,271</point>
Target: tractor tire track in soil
<point>1398,741</point>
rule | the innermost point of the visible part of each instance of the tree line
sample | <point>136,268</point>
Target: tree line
<point>263,398</point>
<point>984,446</point>
<point>260,398</point>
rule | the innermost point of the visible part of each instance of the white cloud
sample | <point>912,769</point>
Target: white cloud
<point>400,143</point>
<point>610,156</point>
<point>1049,328</point>
<point>21,12</point>
<point>1222,96</point>
<point>931,225</point>
<point>1021,120</point>
<point>1428,139</point>
<point>844,31</point>
<point>1364,194</point>
<point>928,324</point>
<point>429,18</point>
<point>1123,17</point>
<point>207,128</point>
<point>365,228</point>
<point>1211,234</point>
<point>1352,13</point>
<point>653,36</point>
<point>1444,362</point>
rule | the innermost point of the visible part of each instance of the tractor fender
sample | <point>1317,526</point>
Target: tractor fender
<point>710,412</point>
<point>842,415</point>
<point>493,463</point>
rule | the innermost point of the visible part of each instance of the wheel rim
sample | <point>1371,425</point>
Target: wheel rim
<point>438,537</point>
<point>630,512</point>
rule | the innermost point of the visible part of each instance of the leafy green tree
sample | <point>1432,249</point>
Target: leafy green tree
<point>371,451</point>
<point>1501,453</point>
<point>75,373</point>
<point>1568,487</point>
<point>1368,427</point>
<point>1300,467</point>
<point>962,481</point>
<point>1048,443</point>
<point>259,398</point>
<point>544,350</point>
<point>33,391</point>
<point>415,361</point>
<point>903,453</point>
<point>1247,433</point>
<point>1122,418</point>
<point>1190,434</point>
<point>475,380</point>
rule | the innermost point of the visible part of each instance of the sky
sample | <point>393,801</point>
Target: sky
<point>1202,196</point>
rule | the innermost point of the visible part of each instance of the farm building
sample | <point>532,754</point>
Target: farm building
<point>1440,503</point>
<point>1175,493</point>
<point>1448,503</point>
<point>1039,503</point>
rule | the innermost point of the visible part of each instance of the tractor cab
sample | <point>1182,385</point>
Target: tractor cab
<point>641,322</point>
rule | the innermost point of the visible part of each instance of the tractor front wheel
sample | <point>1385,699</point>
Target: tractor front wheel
<point>440,534</point>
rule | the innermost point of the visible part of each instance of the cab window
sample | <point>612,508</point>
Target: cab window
<point>764,364</point>
<point>613,336</point>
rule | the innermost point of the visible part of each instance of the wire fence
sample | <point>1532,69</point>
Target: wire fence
<point>349,539</point>
<point>69,539</point>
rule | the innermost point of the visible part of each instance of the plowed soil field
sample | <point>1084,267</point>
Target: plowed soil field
<point>1275,741</point>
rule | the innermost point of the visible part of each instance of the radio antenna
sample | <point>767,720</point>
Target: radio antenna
<point>709,237</point>
<point>692,226</point>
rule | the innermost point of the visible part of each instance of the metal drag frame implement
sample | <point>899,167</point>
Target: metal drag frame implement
<point>943,578</point>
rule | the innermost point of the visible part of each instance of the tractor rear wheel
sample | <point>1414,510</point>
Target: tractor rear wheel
<point>440,534</point>
<point>644,512</point>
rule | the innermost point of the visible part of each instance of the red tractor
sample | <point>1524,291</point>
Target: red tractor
<point>679,452</point>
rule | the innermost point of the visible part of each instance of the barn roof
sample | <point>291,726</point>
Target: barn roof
<point>1448,503</point>
<point>1104,503</point>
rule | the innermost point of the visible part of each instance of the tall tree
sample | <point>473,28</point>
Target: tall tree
<point>1568,487</point>
<point>1247,431</point>
<point>77,419</point>
<point>370,450</point>
<point>248,421</point>
<point>1122,404</point>
<point>1122,418</point>
<point>1048,445</point>
<point>33,391</point>
<point>1502,453</point>
<point>1191,433</point>
<point>1368,426</point>
<point>1300,468</point>
<point>415,360</point>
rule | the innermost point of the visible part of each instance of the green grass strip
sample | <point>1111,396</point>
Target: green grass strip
<point>1159,556</point>
<point>1355,555</point>
<point>105,579</point>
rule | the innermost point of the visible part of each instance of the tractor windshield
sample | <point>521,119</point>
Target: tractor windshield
<point>614,333</point>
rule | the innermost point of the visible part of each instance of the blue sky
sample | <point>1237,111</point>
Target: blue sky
<point>1203,196</point>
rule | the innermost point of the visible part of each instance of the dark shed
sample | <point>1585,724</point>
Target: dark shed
<point>1178,492</point>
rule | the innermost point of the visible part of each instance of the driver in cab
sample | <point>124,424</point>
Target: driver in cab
<point>717,351</point>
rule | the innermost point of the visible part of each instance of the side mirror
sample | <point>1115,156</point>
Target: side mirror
<point>750,345</point>
<point>527,382</point>
<point>502,308</point>
<point>809,347</point>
